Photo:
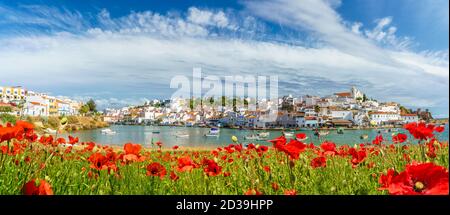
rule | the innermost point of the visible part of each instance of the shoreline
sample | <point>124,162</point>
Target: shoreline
<point>276,129</point>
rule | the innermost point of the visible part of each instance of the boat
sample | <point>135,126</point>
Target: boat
<point>182,135</point>
<point>251,137</point>
<point>260,136</point>
<point>213,132</point>
<point>108,131</point>
<point>340,131</point>
<point>263,134</point>
<point>156,132</point>
<point>323,133</point>
<point>364,137</point>
<point>288,134</point>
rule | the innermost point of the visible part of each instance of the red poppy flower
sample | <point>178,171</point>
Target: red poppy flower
<point>175,147</point>
<point>73,140</point>
<point>262,149</point>
<point>358,156</point>
<point>294,148</point>
<point>420,179</point>
<point>290,192</point>
<point>385,180</point>
<point>399,138</point>
<point>300,136</point>
<point>275,186</point>
<point>61,140</point>
<point>156,169</point>
<point>185,164</point>
<point>439,129</point>
<point>319,162</point>
<point>251,192</point>
<point>30,188</point>
<point>378,140</point>
<point>420,130</point>
<point>212,168</point>
<point>267,168</point>
<point>25,125</point>
<point>279,143</point>
<point>131,148</point>
<point>226,174</point>
<point>329,148</point>
<point>173,176</point>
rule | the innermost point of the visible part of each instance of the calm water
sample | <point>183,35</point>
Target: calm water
<point>168,135</point>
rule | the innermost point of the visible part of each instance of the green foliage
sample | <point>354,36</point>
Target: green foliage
<point>53,122</point>
<point>92,106</point>
<point>5,109</point>
<point>6,117</point>
<point>73,119</point>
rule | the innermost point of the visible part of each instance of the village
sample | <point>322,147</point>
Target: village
<point>350,109</point>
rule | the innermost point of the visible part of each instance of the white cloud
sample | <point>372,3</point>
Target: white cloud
<point>135,56</point>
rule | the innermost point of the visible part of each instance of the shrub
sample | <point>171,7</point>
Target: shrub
<point>6,117</point>
<point>53,122</point>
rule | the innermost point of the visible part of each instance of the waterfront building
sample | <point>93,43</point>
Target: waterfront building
<point>14,94</point>
<point>407,118</point>
<point>384,118</point>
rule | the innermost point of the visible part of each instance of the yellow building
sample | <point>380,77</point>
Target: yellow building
<point>53,106</point>
<point>10,94</point>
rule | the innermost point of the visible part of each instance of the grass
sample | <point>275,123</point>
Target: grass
<point>71,173</point>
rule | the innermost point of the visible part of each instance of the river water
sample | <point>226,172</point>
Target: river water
<point>196,136</point>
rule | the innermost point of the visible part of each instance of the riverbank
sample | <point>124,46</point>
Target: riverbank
<point>74,123</point>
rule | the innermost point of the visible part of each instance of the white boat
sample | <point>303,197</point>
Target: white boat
<point>108,131</point>
<point>323,133</point>
<point>263,134</point>
<point>182,135</point>
<point>288,134</point>
<point>213,132</point>
<point>251,137</point>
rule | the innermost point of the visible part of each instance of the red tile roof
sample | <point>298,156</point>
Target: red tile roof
<point>344,94</point>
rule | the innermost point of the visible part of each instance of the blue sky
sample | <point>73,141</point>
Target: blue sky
<point>123,52</point>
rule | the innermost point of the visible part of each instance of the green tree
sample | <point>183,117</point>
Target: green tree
<point>84,109</point>
<point>92,106</point>
<point>317,109</point>
<point>224,101</point>
<point>364,97</point>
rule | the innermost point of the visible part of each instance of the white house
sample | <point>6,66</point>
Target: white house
<point>380,118</point>
<point>35,109</point>
<point>407,118</point>
<point>311,122</point>
<point>342,114</point>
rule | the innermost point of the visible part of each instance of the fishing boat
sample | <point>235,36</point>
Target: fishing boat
<point>213,132</point>
<point>364,137</point>
<point>260,136</point>
<point>156,132</point>
<point>108,131</point>
<point>288,134</point>
<point>340,131</point>
<point>182,135</point>
<point>323,133</point>
<point>251,137</point>
<point>263,135</point>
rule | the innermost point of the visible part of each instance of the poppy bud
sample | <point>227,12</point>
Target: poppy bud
<point>64,121</point>
<point>234,139</point>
